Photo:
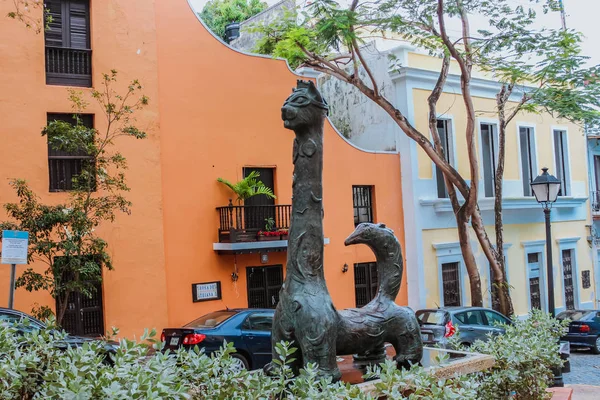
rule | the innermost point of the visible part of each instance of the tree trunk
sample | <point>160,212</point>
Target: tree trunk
<point>61,307</point>
<point>461,219</point>
<point>469,259</point>
<point>503,303</point>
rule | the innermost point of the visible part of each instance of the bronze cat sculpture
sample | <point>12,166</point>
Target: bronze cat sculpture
<point>305,314</point>
<point>364,331</point>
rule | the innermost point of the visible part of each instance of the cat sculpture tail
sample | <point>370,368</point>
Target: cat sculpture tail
<point>364,331</point>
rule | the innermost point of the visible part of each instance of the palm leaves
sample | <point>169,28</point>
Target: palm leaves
<point>248,187</point>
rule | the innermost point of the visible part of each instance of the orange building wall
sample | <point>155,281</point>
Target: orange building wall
<point>219,113</point>
<point>134,293</point>
<point>213,111</point>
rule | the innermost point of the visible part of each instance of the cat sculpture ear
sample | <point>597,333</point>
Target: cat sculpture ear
<point>316,96</point>
<point>314,93</point>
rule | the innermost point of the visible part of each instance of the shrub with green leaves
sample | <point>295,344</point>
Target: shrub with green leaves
<point>32,366</point>
<point>525,356</point>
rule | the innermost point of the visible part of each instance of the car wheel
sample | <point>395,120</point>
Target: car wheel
<point>239,362</point>
<point>596,348</point>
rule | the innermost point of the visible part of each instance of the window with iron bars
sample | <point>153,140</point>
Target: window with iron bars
<point>362,198</point>
<point>64,166</point>
<point>451,284</point>
<point>365,282</point>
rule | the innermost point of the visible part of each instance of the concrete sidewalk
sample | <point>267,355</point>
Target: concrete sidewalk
<point>585,392</point>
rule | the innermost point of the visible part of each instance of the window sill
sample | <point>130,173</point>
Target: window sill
<point>509,203</point>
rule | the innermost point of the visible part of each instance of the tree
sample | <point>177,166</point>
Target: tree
<point>543,67</point>
<point>26,12</point>
<point>248,187</point>
<point>64,236</point>
<point>218,13</point>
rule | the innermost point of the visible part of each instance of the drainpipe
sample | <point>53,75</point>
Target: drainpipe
<point>591,185</point>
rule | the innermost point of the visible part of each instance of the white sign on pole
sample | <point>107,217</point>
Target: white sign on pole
<point>14,247</point>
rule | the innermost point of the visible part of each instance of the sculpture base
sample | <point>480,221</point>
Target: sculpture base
<point>460,363</point>
<point>376,357</point>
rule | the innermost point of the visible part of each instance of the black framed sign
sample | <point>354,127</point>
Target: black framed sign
<point>206,291</point>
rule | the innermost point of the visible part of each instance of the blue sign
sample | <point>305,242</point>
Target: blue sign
<point>14,247</point>
<point>15,235</point>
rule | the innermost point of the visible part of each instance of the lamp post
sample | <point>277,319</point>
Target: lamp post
<point>545,187</point>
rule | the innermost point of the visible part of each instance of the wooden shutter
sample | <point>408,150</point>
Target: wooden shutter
<point>79,24</point>
<point>54,33</point>
<point>70,26</point>
<point>64,166</point>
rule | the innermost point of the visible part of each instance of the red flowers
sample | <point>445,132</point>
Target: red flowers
<point>279,232</point>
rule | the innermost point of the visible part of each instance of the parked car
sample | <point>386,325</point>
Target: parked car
<point>439,324</point>
<point>248,329</point>
<point>26,323</point>
<point>584,328</point>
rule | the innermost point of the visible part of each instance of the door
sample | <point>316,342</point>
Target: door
<point>472,326</point>
<point>451,284</point>
<point>567,262</point>
<point>85,316</point>
<point>260,208</point>
<point>533,266</point>
<point>596,194</point>
<point>256,334</point>
<point>264,284</point>
<point>365,282</point>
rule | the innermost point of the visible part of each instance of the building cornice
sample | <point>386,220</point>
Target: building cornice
<point>426,79</point>
<point>533,243</point>
<point>568,240</point>
<point>516,203</point>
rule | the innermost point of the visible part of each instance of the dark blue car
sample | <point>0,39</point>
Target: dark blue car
<point>24,323</point>
<point>584,328</point>
<point>248,329</point>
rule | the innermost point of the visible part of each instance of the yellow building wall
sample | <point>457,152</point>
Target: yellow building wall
<point>452,106</point>
<point>514,235</point>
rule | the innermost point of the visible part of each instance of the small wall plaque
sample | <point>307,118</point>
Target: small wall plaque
<point>206,291</point>
<point>585,279</point>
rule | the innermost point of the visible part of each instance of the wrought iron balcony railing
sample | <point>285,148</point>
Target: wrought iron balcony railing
<point>595,199</point>
<point>69,67</point>
<point>242,223</point>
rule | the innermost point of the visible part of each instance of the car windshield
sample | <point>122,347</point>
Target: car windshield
<point>21,322</point>
<point>211,320</point>
<point>432,317</point>
<point>573,315</point>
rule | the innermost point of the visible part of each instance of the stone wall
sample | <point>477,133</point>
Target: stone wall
<point>354,115</point>
<point>247,40</point>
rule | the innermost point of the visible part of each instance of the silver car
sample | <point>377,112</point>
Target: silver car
<point>439,324</point>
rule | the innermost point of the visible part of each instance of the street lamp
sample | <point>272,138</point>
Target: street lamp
<point>545,188</point>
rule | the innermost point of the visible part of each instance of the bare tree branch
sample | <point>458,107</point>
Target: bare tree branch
<point>465,79</point>
<point>366,67</point>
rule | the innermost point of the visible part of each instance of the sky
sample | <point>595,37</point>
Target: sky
<point>581,15</point>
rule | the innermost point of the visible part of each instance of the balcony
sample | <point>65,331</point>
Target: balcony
<point>595,200</point>
<point>239,227</point>
<point>68,67</point>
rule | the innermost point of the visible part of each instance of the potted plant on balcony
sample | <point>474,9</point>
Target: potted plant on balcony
<point>248,187</point>
<point>270,232</point>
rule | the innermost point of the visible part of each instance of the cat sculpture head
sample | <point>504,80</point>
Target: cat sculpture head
<point>305,107</point>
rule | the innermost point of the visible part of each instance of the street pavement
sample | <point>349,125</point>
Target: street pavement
<point>585,369</point>
<point>585,392</point>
